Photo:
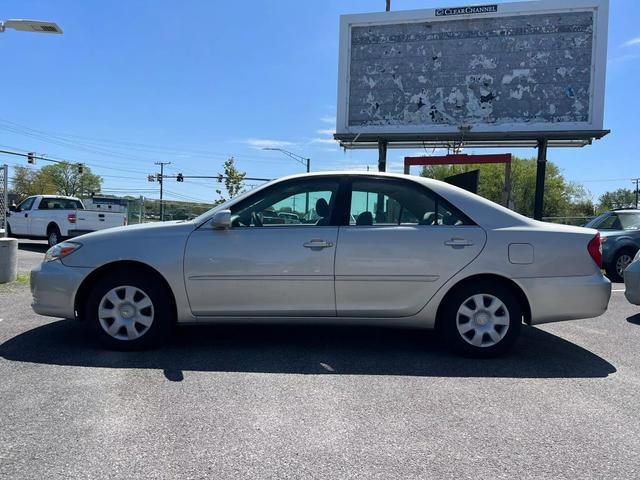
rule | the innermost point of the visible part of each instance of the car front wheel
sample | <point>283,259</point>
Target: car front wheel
<point>482,321</point>
<point>129,312</point>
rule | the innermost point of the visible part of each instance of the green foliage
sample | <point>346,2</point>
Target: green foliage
<point>621,198</point>
<point>562,198</point>
<point>233,181</point>
<point>57,179</point>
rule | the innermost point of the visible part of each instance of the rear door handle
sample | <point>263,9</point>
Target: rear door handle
<point>317,244</point>
<point>458,242</point>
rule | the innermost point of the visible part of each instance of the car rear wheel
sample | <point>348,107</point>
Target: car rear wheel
<point>481,321</point>
<point>53,236</point>
<point>129,312</point>
<point>621,260</point>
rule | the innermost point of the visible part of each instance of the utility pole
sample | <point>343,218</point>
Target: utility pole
<point>637,182</point>
<point>388,6</point>
<point>160,179</point>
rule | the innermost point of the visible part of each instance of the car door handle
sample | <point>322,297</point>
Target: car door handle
<point>317,244</point>
<point>458,242</point>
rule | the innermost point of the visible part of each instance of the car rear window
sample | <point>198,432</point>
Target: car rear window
<point>59,204</point>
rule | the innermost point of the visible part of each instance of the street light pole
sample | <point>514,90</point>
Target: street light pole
<point>306,161</point>
<point>36,26</point>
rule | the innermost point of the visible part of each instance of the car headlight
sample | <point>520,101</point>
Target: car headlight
<point>61,250</point>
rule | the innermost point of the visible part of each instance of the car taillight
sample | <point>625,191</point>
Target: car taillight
<point>71,217</point>
<point>595,249</point>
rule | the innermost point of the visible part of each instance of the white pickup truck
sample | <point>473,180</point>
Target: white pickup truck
<point>55,218</point>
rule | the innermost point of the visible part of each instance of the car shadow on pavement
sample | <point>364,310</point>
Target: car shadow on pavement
<point>33,247</point>
<point>634,319</point>
<point>308,350</point>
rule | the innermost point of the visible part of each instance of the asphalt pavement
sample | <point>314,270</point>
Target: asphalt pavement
<point>317,402</point>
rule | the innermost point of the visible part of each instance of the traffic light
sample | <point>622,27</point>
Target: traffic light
<point>159,177</point>
<point>151,178</point>
<point>219,178</point>
<point>179,178</point>
<point>80,168</point>
<point>31,158</point>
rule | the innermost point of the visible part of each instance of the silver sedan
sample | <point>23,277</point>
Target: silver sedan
<point>369,249</point>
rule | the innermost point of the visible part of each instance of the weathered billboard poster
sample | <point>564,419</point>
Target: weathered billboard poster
<point>528,66</point>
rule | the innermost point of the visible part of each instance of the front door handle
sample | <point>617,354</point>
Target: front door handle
<point>458,242</point>
<point>316,243</point>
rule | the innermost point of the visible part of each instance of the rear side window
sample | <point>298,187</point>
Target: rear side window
<point>396,202</point>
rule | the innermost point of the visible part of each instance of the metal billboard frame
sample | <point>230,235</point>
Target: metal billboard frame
<point>552,135</point>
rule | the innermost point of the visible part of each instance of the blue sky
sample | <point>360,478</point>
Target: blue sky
<point>195,82</point>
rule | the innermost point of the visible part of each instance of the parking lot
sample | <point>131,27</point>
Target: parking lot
<point>316,402</point>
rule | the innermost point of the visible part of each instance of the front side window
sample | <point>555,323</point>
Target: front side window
<point>396,202</point>
<point>612,222</point>
<point>26,204</point>
<point>293,203</point>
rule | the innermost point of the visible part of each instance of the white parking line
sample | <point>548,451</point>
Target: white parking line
<point>617,290</point>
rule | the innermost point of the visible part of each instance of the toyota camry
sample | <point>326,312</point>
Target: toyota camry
<point>360,248</point>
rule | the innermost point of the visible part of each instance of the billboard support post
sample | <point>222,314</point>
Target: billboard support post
<point>382,156</point>
<point>540,177</point>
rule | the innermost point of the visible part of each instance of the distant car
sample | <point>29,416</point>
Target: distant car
<point>620,232</point>
<point>385,249</point>
<point>632,281</point>
<point>56,217</point>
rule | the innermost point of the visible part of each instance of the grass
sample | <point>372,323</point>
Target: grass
<point>22,279</point>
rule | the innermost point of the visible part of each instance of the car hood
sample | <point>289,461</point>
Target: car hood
<point>137,230</point>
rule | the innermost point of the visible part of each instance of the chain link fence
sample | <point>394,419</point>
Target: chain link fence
<point>4,193</point>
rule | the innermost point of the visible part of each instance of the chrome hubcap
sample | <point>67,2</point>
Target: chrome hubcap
<point>623,262</point>
<point>482,320</point>
<point>125,312</point>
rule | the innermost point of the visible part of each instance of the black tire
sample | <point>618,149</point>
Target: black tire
<point>53,235</point>
<point>450,319</point>
<point>163,311</point>
<point>620,257</point>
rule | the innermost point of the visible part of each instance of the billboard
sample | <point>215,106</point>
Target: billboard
<point>508,67</point>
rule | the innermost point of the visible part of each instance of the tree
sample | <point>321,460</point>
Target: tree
<point>57,179</point>
<point>233,181</point>
<point>68,181</point>
<point>562,198</point>
<point>621,198</point>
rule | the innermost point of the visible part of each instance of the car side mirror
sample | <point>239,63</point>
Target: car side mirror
<point>13,208</point>
<point>221,220</point>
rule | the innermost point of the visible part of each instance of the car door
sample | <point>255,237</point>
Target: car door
<point>402,244</point>
<point>263,266</point>
<point>20,220</point>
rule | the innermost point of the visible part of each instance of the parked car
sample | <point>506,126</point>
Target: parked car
<point>56,217</point>
<point>620,232</point>
<point>632,281</point>
<point>386,249</point>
